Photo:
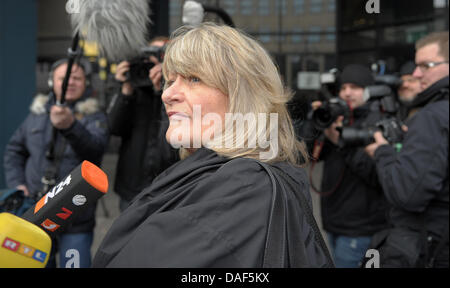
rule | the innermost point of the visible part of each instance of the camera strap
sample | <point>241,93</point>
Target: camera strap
<point>318,146</point>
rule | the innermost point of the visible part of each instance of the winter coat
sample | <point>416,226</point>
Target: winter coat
<point>141,122</point>
<point>25,160</point>
<point>415,180</point>
<point>207,211</point>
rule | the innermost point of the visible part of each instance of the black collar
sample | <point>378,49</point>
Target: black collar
<point>437,91</point>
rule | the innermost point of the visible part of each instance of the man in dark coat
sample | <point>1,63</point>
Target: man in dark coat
<point>81,135</point>
<point>137,115</point>
<point>408,90</point>
<point>415,180</point>
<point>352,204</point>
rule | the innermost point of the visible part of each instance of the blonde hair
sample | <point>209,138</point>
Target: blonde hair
<point>234,63</point>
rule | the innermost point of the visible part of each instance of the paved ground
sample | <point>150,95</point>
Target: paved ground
<point>108,206</point>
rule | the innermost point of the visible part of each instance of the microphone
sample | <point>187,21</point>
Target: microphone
<point>376,92</point>
<point>193,13</point>
<point>22,244</point>
<point>118,27</point>
<point>27,242</point>
<point>69,198</point>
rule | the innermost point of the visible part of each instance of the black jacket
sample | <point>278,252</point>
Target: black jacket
<point>204,211</point>
<point>415,181</point>
<point>141,122</point>
<point>352,203</point>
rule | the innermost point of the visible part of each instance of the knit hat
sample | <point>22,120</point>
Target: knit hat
<point>407,68</point>
<point>358,75</point>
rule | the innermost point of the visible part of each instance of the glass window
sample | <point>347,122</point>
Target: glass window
<point>299,6</point>
<point>283,7</point>
<point>229,6</point>
<point>264,35</point>
<point>358,40</point>
<point>263,7</point>
<point>331,7</point>
<point>246,7</point>
<point>296,35</point>
<point>331,33</point>
<point>315,6</point>
<point>314,35</point>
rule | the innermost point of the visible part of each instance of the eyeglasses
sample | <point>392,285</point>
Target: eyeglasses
<point>427,65</point>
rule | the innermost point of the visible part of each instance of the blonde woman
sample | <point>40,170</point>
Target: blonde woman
<point>215,208</point>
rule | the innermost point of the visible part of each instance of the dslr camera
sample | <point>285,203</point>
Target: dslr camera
<point>140,66</point>
<point>329,111</point>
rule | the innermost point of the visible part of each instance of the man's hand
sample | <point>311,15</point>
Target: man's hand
<point>315,105</point>
<point>61,117</point>
<point>155,74</point>
<point>24,189</point>
<point>379,140</point>
<point>331,133</point>
<point>122,68</point>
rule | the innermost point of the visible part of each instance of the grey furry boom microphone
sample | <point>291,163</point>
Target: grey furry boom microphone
<point>119,27</point>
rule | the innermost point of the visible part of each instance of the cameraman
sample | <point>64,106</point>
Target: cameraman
<point>408,90</point>
<point>81,135</point>
<point>136,115</point>
<point>415,180</point>
<point>352,203</point>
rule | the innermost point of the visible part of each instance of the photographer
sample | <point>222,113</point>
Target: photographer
<point>352,203</point>
<point>415,180</point>
<point>408,90</point>
<point>136,115</point>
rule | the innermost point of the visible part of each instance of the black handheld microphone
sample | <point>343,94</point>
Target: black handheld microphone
<point>69,198</point>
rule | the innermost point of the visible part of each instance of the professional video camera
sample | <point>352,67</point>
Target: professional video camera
<point>332,107</point>
<point>140,66</point>
<point>390,126</point>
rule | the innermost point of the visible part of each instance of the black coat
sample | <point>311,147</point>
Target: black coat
<point>204,211</point>
<point>141,122</point>
<point>415,181</point>
<point>352,203</point>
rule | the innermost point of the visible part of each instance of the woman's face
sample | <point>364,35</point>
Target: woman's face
<point>187,101</point>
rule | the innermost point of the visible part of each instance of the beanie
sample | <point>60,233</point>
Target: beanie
<point>407,68</point>
<point>358,75</point>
